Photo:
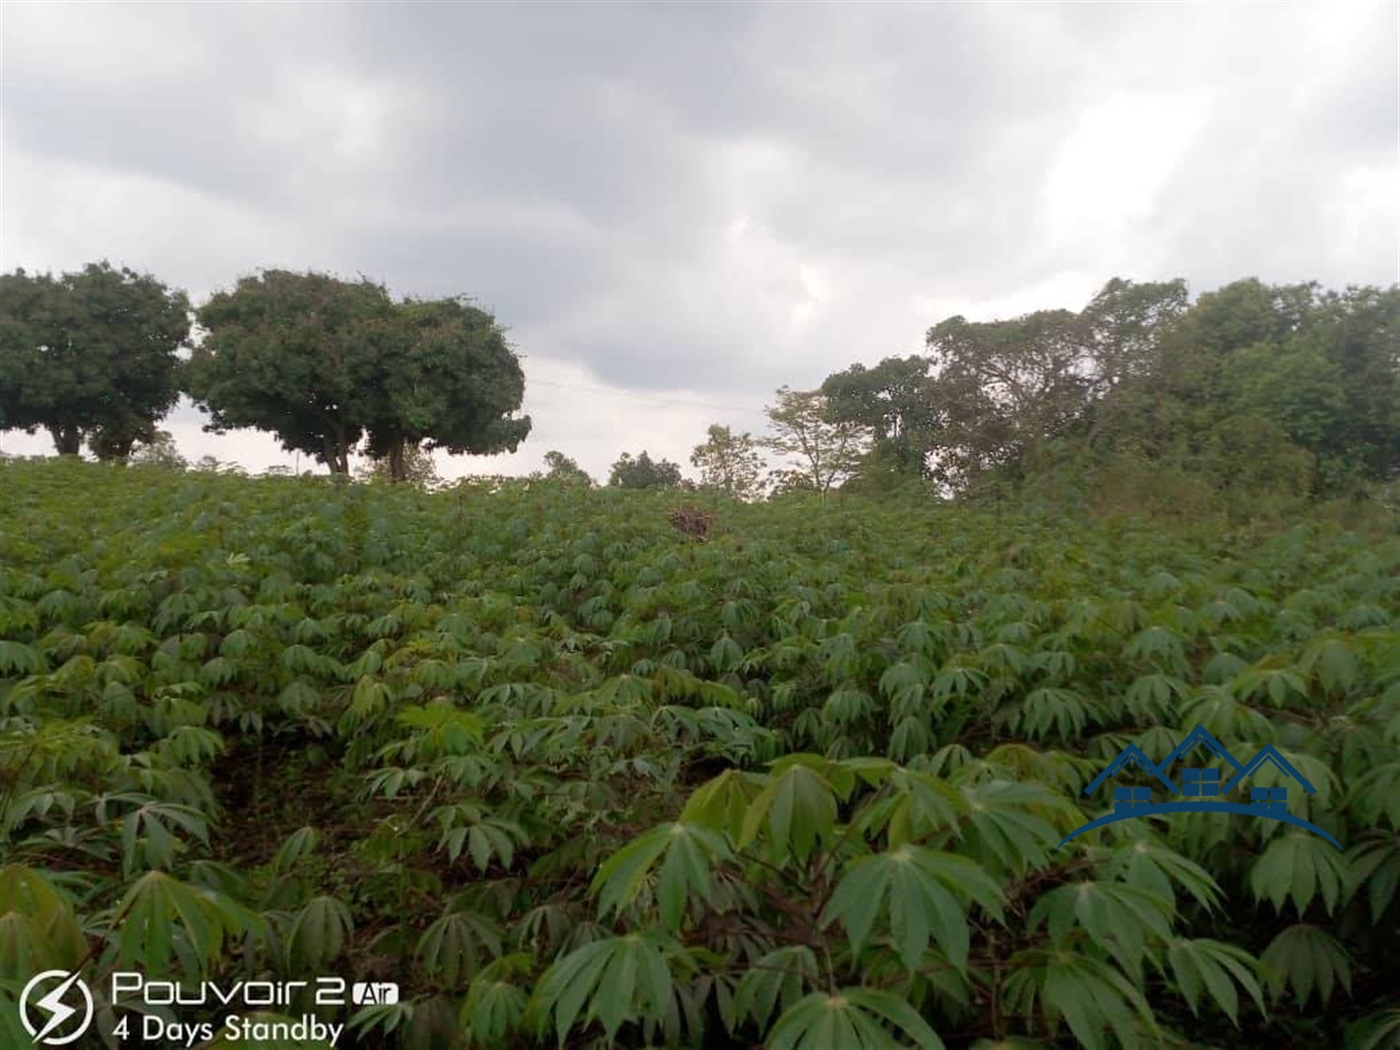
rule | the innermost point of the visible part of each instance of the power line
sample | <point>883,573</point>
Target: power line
<point>642,397</point>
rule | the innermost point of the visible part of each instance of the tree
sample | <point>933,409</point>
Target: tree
<point>297,355</point>
<point>90,356</point>
<point>897,402</point>
<point>323,362</point>
<point>1006,389</point>
<point>452,383</point>
<point>730,463</point>
<point>1314,372</point>
<point>416,468</point>
<point>159,451</point>
<point>644,473</point>
<point>828,451</point>
<point>562,468</point>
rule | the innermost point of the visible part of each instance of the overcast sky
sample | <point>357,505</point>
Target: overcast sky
<point>676,208</point>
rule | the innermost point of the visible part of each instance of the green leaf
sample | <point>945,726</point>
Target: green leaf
<point>298,844</point>
<point>690,851</point>
<point>1215,968</point>
<point>157,906</point>
<point>852,1019</point>
<point>1007,826</point>
<point>722,803</point>
<point>495,1007</point>
<point>773,982</point>
<point>1374,862</point>
<point>1307,959</point>
<point>318,934</point>
<point>613,980</point>
<point>796,809</point>
<point>1377,1031</point>
<point>1089,995</point>
<point>1300,865</point>
<point>1116,916</point>
<point>457,945</point>
<point>923,894</point>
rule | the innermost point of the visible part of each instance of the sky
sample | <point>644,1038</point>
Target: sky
<point>676,208</point>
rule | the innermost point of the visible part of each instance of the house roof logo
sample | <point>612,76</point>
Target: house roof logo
<point>1202,790</point>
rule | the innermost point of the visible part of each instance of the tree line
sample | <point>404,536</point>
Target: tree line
<point>1285,390</point>
<point>1253,390</point>
<point>324,364</point>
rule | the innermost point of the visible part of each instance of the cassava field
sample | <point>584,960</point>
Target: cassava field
<point>568,774</point>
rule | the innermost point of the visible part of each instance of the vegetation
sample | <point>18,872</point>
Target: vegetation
<point>416,467</point>
<point>730,463</point>
<point>643,472</point>
<point>559,467</point>
<point>824,449</point>
<point>89,356</point>
<point>322,363</point>
<point>572,776</point>
<point>1254,393</point>
<point>159,451</point>
<point>1251,399</point>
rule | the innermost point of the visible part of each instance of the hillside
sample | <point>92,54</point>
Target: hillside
<point>567,773</point>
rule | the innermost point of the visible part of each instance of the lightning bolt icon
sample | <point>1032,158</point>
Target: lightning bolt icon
<point>59,1011</point>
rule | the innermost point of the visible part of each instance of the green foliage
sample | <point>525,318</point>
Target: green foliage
<point>824,448</point>
<point>1248,403</point>
<point>569,781</point>
<point>643,472</point>
<point>158,450</point>
<point>415,466</point>
<point>559,467</point>
<point>896,400</point>
<point>90,356</point>
<point>322,362</point>
<point>730,463</point>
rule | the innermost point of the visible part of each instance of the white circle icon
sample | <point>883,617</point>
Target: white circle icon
<point>57,1010</point>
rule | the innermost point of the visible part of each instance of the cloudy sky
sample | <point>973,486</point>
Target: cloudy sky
<point>677,207</point>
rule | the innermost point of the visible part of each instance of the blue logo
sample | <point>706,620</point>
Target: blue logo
<point>1203,790</point>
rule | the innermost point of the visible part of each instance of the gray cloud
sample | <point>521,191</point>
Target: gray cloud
<point>701,201</point>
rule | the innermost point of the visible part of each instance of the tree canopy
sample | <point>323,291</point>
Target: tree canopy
<point>730,463</point>
<point>644,473</point>
<point>824,449</point>
<point>322,363</point>
<point>559,467</point>
<point>895,400</point>
<point>1289,390</point>
<point>90,356</point>
<point>450,382</point>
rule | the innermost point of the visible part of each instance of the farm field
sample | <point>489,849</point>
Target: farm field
<point>569,775</point>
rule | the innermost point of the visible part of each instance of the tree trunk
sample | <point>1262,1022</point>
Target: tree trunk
<point>398,469</point>
<point>337,454</point>
<point>68,440</point>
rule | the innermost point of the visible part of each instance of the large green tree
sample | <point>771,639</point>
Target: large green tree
<point>90,355</point>
<point>1315,371</point>
<point>1007,388</point>
<point>323,362</point>
<point>897,401</point>
<point>297,355</point>
<point>451,382</point>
